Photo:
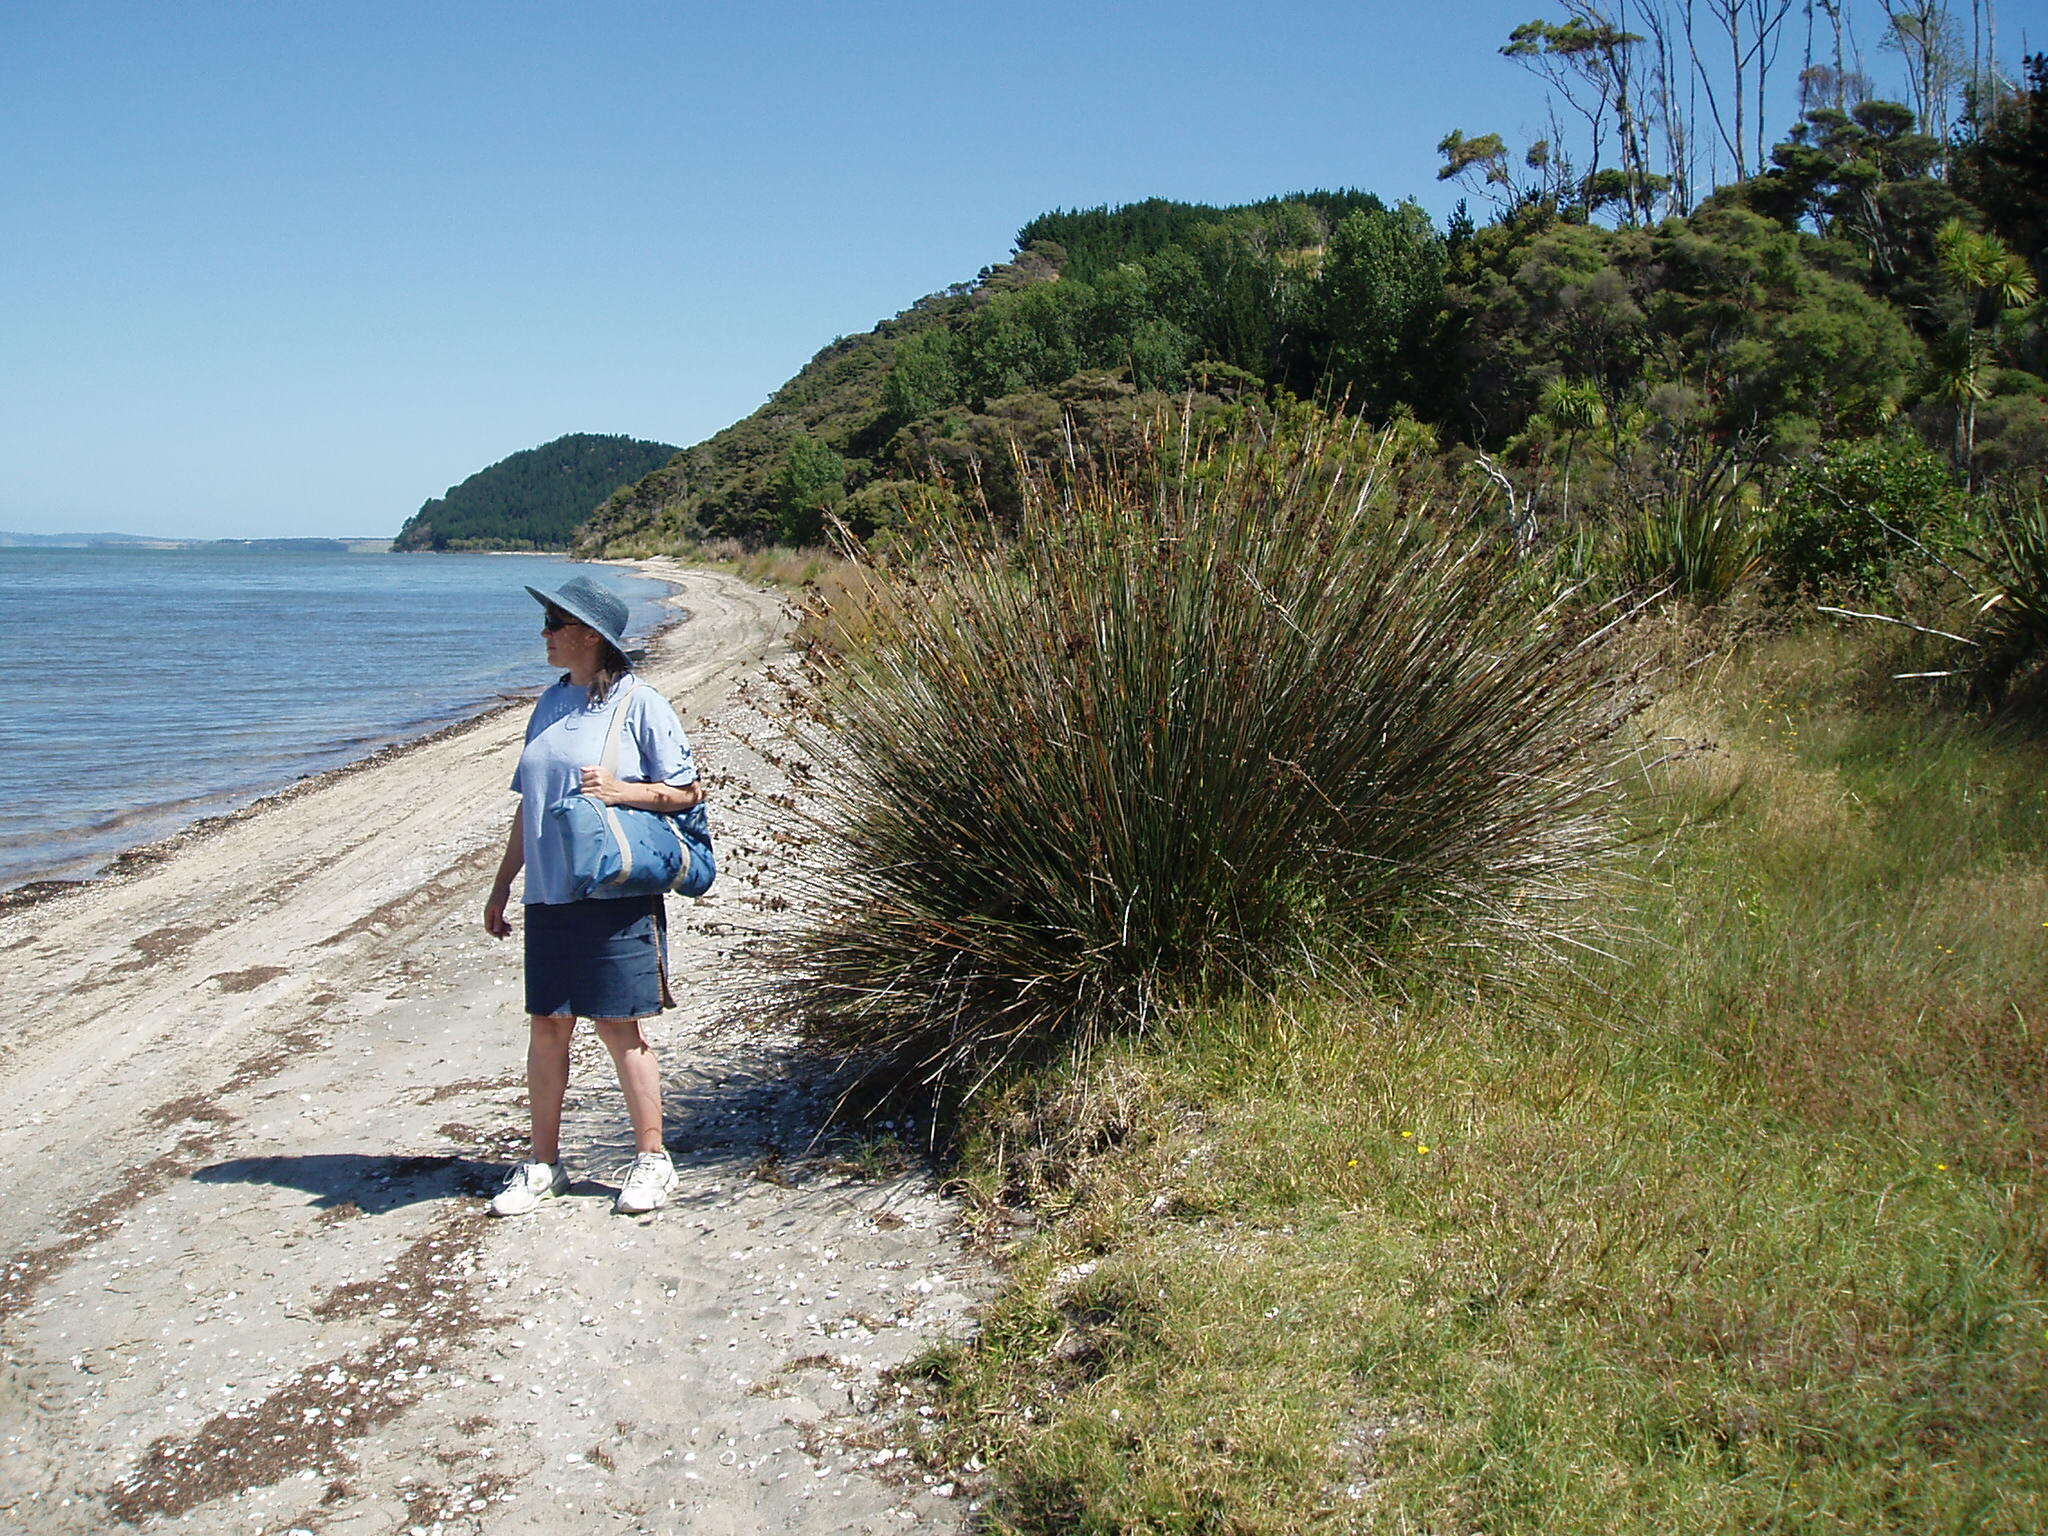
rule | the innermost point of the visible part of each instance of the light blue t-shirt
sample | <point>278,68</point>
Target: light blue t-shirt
<point>564,737</point>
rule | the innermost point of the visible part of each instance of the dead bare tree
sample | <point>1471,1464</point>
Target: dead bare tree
<point>1839,81</point>
<point>1522,525</point>
<point>1986,83</point>
<point>1926,37</point>
<point>1666,112</point>
<point>1631,124</point>
<point>1753,31</point>
<point>1770,20</point>
<point>1667,87</point>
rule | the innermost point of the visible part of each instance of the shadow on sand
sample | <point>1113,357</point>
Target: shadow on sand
<point>767,1115</point>
<point>370,1183</point>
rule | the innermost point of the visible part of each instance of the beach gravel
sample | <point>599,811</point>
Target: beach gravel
<point>256,1090</point>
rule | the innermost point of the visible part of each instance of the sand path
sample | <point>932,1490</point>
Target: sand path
<point>253,1093</point>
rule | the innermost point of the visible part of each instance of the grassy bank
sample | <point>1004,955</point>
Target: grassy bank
<point>1740,1230</point>
<point>770,565</point>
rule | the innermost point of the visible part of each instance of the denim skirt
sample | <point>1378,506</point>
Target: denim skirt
<point>600,959</point>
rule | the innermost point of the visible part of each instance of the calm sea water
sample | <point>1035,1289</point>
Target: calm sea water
<point>140,689</point>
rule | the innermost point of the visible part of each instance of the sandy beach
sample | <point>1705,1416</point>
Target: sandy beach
<point>255,1090</point>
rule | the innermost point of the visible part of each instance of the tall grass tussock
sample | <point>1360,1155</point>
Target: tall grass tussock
<point>1200,717</point>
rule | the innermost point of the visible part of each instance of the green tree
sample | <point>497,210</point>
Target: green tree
<point>812,479</point>
<point>1990,279</point>
<point>1536,300</point>
<point>923,376</point>
<point>1570,409</point>
<point>1160,354</point>
<point>2002,165</point>
<point>1376,303</point>
<point>1867,177</point>
<point>1786,351</point>
<point>1481,162</point>
<point>1233,306</point>
<point>1024,339</point>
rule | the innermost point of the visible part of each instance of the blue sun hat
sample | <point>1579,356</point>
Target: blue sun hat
<point>584,600</point>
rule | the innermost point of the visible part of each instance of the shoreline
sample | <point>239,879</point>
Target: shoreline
<point>128,862</point>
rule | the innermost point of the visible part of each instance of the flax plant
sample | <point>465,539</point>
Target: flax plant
<point>1196,718</point>
<point>1689,534</point>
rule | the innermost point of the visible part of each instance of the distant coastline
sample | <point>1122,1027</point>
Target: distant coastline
<point>144,541</point>
<point>160,789</point>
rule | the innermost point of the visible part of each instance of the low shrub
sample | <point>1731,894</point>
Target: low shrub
<point>1982,612</point>
<point>2011,633</point>
<point>1852,514</point>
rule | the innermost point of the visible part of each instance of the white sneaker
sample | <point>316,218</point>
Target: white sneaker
<point>647,1185</point>
<point>529,1184</point>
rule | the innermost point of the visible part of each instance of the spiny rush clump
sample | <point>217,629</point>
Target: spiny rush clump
<point>1198,715</point>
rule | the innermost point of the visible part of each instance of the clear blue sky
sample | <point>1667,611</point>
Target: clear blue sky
<point>290,268</point>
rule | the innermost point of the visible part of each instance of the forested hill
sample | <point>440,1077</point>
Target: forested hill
<point>535,499</point>
<point>864,420</point>
<point>1870,289</point>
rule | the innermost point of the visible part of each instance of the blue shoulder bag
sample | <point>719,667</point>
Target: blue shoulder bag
<point>616,850</point>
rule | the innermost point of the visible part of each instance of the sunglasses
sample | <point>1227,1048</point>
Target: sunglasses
<point>558,620</point>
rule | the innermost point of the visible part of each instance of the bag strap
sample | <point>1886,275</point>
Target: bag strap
<point>668,998</point>
<point>610,759</point>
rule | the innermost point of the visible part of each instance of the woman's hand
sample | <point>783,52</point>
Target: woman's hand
<point>501,887</point>
<point>602,784</point>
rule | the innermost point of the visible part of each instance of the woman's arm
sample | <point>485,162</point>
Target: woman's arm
<point>664,798</point>
<point>664,754</point>
<point>501,885</point>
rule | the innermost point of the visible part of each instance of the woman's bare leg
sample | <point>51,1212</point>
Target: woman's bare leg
<point>547,1080</point>
<point>639,1078</point>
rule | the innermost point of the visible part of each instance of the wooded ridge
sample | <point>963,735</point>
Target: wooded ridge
<point>533,499</point>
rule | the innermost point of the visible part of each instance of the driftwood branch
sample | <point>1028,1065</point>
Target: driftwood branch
<point>1924,549</point>
<point>1885,618</point>
<point>1521,510</point>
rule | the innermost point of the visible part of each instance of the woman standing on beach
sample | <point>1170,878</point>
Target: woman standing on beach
<point>603,958</point>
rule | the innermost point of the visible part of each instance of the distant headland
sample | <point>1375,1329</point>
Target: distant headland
<point>144,541</point>
<point>535,499</point>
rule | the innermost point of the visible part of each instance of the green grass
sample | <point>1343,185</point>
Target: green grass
<point>1742,1230</point>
